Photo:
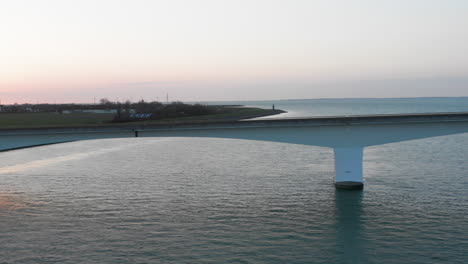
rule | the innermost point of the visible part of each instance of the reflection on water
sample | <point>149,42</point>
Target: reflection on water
<point>41,163</point>
<point>16,204</point>
<point>63,158</point>
<point>349,224</point>
<point>9,201</point>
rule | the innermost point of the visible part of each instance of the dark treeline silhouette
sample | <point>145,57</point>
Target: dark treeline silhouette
<point>59,108</point>
<point>22,108</point>
<point>124,111</point>
<point>142,110</point>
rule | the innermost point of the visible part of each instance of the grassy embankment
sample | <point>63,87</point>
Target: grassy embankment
<point>42,120</point>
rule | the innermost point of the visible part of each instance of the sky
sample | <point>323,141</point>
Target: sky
<point>59,51</point>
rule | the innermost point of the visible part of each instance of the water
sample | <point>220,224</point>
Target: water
<point>331,107</point>
<point>183,200</point>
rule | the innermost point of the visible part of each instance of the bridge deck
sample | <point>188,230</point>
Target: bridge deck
<point>272,122</point>
<point>347,135</point>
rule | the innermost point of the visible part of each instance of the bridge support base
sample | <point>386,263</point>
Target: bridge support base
<point>348,168</point>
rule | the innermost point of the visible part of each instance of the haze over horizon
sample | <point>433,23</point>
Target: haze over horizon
<point>212,50</point>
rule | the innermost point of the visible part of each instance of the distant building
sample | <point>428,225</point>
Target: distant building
<point>140,116</point>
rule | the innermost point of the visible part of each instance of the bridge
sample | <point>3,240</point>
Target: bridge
<point>347,135</point>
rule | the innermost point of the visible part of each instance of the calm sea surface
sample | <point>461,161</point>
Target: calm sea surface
<point>185,200</point>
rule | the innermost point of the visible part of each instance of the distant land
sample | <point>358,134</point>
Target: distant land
<point>109,113</point>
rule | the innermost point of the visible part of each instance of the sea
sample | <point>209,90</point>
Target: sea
<point>202,200</point>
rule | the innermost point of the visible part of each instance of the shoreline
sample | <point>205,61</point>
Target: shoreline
<point>24,120</point>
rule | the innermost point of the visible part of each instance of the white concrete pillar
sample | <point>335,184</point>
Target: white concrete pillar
<point>348,168</point>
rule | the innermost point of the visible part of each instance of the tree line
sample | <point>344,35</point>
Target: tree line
<point>124,111</point>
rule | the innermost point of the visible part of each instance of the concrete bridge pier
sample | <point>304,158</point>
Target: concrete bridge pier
<point>348,168</point>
